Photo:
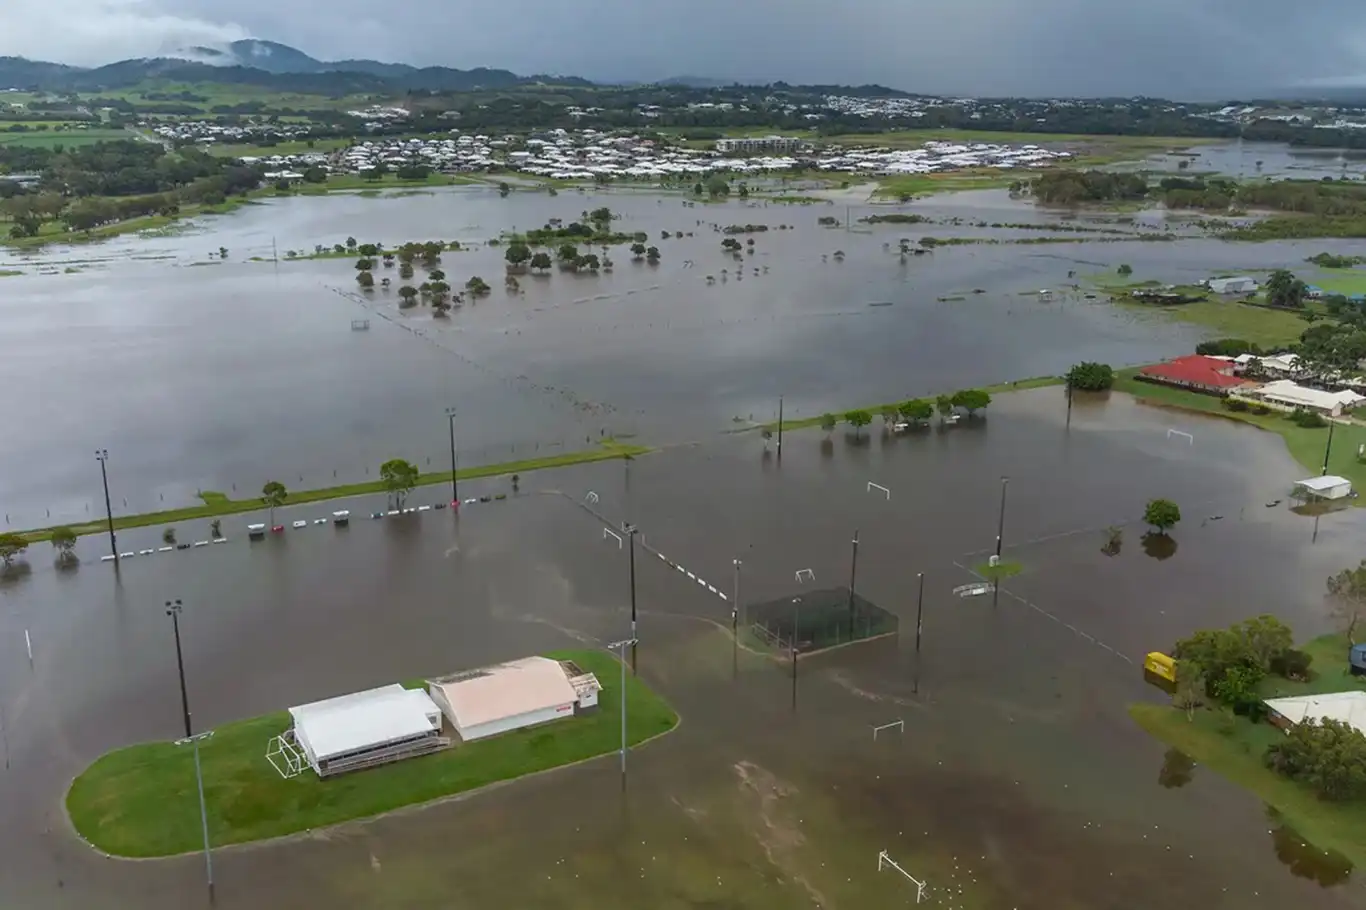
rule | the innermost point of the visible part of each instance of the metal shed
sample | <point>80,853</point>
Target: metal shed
<point>367,728</point>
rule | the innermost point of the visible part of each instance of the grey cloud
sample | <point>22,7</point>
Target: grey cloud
<point>1176,48</point>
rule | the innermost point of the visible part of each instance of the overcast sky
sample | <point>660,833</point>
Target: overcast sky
<point>1173,48</point>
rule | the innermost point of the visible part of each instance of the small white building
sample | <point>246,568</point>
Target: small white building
<point>1346,707</point>
<point>516,694</point>
<point>362,730</point>
<point>1329,486</point>
<point>1239,284</point>
<point>1291,395</point>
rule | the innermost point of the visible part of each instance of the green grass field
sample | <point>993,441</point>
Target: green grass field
<point>929,184</point>
<point>68,137</point>
<point>217,504</point>
<point>1340,281</point>
<point>1269,328</point>
<point>282,148</point>
<point>141,801</point>
<point>1233,747</point>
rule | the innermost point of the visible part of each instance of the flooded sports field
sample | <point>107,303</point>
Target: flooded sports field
<point>1012,778</point>
<point>205,374</point>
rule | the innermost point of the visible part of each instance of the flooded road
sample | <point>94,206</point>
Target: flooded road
<point>1018,780</point>
<point>200,375</point>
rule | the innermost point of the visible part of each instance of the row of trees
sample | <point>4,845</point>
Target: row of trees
<point>917,411</point>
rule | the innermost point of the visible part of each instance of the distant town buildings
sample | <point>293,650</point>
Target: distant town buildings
<point>753,144</point>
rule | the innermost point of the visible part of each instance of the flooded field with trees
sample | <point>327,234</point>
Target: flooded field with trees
<point>1016,778</point>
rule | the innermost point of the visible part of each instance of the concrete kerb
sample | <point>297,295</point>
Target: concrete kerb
<point>338,827</point>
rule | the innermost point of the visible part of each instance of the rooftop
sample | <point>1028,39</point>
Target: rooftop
<point>362,720</point>
<point>1346,707</point>
<point>509,689</point>
<point>1195,369</point>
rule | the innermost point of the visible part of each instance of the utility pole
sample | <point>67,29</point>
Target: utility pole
<point>919,614</point>
<point>102,455</point>
<point>621,646</point>
<point>853,573</point>
<point>796,624</point>
<point>1000,531</point>
<point>1069,403</point>
<point>630,530</point>
<point>1328,448</point>
<point>173,608</point>
<point>455,485</point>
<point>780,428</point>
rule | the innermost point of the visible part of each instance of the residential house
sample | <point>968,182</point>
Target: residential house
<point>1288,395</point>
<point>1240,284</point>
<point>1212,375</point>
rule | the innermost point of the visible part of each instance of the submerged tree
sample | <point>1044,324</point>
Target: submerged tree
<point>858,420</point>
<point>11,547</point>
<point>1162,515</point>
<point>273,494</point>
<point>399,477</point>
<point>1347,590</point>
<point>64,542</point>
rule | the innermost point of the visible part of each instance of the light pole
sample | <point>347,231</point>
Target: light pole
<point>1328,448</point>
<point>621,646</point>
<point>919,614</point>
<point>203,809</point>
<point>630,531</point>
<point>792,646</point>
<point>853,572</point>
<point>173,608</point>
<point>455,486</point>
<point>780,428</point>
<point>102,455</point>
<point>735,623</point>
<point>1000,532</point>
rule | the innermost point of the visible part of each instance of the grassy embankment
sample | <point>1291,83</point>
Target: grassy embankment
<point>1233,747</point>
<point>803,423</point>
<point>218,504</point>
<point>141,801</point>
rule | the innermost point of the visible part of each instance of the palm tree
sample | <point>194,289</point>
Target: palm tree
<point>273,494</point>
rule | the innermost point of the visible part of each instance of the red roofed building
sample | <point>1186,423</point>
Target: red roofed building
<point>1196,372</point>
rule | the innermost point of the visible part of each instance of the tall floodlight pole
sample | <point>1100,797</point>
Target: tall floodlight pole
<point>919,614</point>
<point>102,455</point>
<point>455,484</point>
<point>621,646</point>
<point>796,624</point>
<point>630,530</point>
<point>173,608</point>
<point>780,428</point>
<point>853,573</point>
<point>1069,402</point>
<point>1328,448</point>
<point>1000,532</point>
<point>735,622</point>
<point>203,808</point>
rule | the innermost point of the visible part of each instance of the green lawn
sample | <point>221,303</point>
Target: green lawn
<point>1263,326</point>
<point>141,801</point>
<point>1306,446</point>
<point>1233,747</point>
<point>303,147</point>
<point>72,137</point>
<point>953,182</point>
<point>1341,281</point>
<point>216,504</point>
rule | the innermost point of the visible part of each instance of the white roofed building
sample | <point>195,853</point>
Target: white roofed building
<point>1346,707</point>
<point>516,694</point>
<point>362,730</point>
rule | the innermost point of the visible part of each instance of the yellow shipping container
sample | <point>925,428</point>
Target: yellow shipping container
<point>1161,665</point>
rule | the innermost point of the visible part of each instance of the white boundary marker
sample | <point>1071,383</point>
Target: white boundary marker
<point>608,531</point>
<point>884,860</point>
<point>28,644</point>
<point>1186,436</point>
<point>877,486</point>
<point>975,589</point>
<point>899,724</point>
<point>805,575</point>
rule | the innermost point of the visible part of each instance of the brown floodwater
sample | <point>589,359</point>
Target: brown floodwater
<point>1015,780</point>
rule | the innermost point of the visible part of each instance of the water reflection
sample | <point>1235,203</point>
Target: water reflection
<point>1177,770</point>
<point>1159,546</point>
<point>1304,860</point>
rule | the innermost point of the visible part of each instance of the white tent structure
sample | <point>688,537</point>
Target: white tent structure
<point>519,693</point>
<point>359,730</point>
<point>1347,707</point>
